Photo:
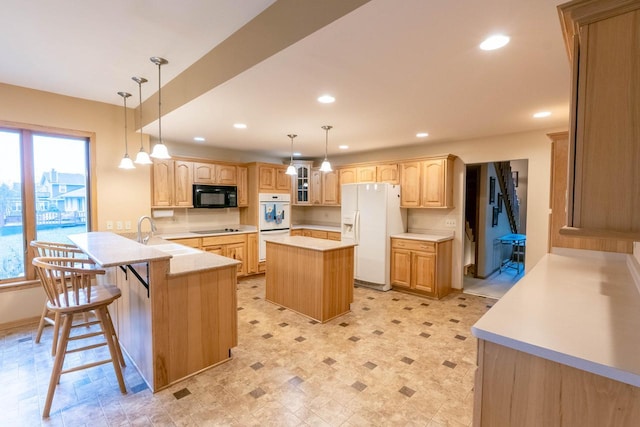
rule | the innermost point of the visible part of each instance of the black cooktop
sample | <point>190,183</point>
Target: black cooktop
<point>218,231</point>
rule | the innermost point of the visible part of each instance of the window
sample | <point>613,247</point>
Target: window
<point>44,182</point>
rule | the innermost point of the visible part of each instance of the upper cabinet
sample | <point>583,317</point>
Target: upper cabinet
<point>243,186</point>
<point>427,183</point>
<point>172,183</point>
<point>387,172</point>
<point>603,42</point>
<point>273,179</point>
<point>214,173</point>
<point>301,183</point>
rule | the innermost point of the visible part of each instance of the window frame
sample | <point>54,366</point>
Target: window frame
<point>28,189</point>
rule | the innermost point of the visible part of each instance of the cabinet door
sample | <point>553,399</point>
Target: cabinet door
<point>237,251</point>
<point>410,175</point>
<point>266,178</point>
<point>366,173</point>
<point>319,234</point>
<point>283,181</point>
<point>252,253</point>
<point>423,271</point>
<point>348,176</point>
<point>204,173</point>
<point>387,173</point>
<point>216,249</point>
<point>183,181</point>
<point>243,189</point>
<point>226,175</point>
<point>433,183</point>
<point>162,183</point>
<point>302,184</point>
<point>315,195</point>
<point>306,233</point>
<point>401,267</point>
<point>297,232</point>
<point>330,188</point>
<point>333,235</point>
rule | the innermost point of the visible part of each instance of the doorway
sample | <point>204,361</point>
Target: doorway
<point>495,208</point>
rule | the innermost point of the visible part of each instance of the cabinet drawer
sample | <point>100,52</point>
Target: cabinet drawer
<point>223,240</point>
<point>413,245</point>
<point>193,242</point>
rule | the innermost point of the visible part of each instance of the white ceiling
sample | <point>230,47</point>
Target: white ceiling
<point>395,67</point>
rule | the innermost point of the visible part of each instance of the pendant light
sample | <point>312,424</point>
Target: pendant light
<point>326,166</point>
<point>142,158</point>
<point>159,150</point>
<point>126,162</point>
<point>291,170</point>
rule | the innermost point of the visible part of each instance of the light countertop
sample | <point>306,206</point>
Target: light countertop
<point>110,250</point>
<point>309,243</point>
<point>578,308</point>
<point>427,237</point>
<point>335,228</point>
<point>243,229</point>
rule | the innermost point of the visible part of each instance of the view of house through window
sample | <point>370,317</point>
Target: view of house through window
<point>57,190</point>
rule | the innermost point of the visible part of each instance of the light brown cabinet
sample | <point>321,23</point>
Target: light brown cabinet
<point>602,41</point>
<point>427,183</point>
<point>315,183</point>
<point>273,179</point>
<point>214,173</point>
<point>318,234</point>
<point>301,183</point>
<point>421,267</point>
<point>243,186</point>
<point>387,172</point>
<point>231,246</point>
<point>172,183</point>
<point>330,188</point>
<point>242,247</point>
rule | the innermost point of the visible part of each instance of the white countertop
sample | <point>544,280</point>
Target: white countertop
<point>335,228</point>
<point>428,237</point>
<point>243,229</point>
<point>578,308</point>
<point>309,243</point>
<point>110,250</point>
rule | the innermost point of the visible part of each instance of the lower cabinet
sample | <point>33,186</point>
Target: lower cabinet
<point>318,234</point>
<point>241,247</point>
<point>421,267</point>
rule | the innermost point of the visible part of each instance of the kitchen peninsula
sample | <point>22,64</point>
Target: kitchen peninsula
<point>178,312</point>
<point>313,277</point>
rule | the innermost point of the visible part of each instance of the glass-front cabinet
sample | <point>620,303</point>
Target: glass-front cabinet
<point>301,183</point>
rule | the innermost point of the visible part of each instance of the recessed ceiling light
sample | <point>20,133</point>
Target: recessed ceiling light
<point>240,126</point>
<point>198,138</point>
<point>422,134</point>
<point>326,99</point>
<point>343,147</point>
<point>494,42</point>
<point>541,114</point>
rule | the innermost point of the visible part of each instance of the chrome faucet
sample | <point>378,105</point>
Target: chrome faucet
<point>148,236</point>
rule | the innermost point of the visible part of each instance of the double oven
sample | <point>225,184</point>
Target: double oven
<point>275,218</point>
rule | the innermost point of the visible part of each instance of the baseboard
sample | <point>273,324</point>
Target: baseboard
<point>18,323</point>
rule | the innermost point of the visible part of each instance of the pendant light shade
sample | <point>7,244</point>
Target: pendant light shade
<point>291,170</point>
<point>326,166</point>
<point>142,158</point>
<point>160,150</point>
<point>126,162</point>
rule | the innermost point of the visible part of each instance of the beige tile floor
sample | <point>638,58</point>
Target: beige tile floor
<point>396,359</point>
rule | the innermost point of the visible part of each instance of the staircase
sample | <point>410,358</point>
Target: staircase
<point>509,196</point>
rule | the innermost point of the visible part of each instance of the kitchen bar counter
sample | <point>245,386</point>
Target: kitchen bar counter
<point>242,229</point>
<point>178,311</point>
<point>564,335</point>
<point>427,237</point>
<point>334,228</point>
<point>313,277</point>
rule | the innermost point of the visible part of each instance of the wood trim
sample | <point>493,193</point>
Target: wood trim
<point>29,321</point>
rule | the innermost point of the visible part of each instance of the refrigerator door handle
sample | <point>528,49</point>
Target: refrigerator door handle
<point>356,227</point>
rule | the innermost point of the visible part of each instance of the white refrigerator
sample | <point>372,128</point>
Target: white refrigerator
<point>370,214</point>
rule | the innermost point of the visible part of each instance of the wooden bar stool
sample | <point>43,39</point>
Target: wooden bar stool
<point>78,296</point>
<point>58,250</point>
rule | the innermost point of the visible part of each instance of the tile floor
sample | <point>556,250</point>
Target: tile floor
<point>494,286</point>
<point>396,359</point>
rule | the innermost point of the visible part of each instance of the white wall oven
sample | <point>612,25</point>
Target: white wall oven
<point>275,218</point>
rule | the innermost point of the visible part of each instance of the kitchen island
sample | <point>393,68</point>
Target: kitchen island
<point>178,312</point>
<point>562,346</point>
<point>310,276</point>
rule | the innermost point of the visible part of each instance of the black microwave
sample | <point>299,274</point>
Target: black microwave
<point>215,196</point>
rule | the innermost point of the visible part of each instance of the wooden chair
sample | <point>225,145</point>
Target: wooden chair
<point>68,283</point>
<point>58,250</point>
